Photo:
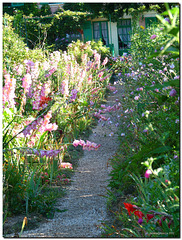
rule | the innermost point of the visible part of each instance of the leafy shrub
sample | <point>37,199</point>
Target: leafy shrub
<point>14,186</point>
<point>148,166</point>
<point>14,48</point>
<point>78,49</point>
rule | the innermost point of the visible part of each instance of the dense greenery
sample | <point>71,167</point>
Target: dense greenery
<point>52,31</point>
<point>27,9</point>
<point>145,177</point>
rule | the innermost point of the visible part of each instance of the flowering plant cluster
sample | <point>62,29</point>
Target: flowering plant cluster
<point>47,102</point>
<point>148,166</point>
<point>86,145</point>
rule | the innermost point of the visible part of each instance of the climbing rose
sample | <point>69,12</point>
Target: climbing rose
<point>148,173</point>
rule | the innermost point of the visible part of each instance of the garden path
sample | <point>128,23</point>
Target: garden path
<point>84,199</point>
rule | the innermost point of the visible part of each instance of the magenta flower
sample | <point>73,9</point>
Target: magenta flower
<point>140,220</point>
<point>172,93</point>
<point>148,173</point>
<point>153,36</point>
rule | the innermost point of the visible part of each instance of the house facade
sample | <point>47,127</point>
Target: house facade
<point>116,35</point>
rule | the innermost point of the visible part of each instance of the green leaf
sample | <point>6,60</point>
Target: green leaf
<point>174,206</point>
<point>162,20</point>
<point>131,231</point>
<point>174,31</point>
<point>162,149</point>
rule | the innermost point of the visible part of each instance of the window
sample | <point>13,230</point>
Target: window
<point>100,30</point>
<point>124,30</point>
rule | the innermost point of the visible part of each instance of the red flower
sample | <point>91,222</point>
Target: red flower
<point>139,214</point>
<point>129,207</point>
<point>44,100</point>
<point>149,216</point>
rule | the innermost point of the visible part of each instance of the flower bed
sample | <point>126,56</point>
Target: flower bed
<point>48,101</point>
<point>145,177</point>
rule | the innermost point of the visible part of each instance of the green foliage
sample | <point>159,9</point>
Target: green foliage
<point>14,186</point>
<point>27,9</point>
<point>14,48</point>
<point>101,49</point>
<point>50,31</point>
<point>170,27</point>
<point>146,169</point>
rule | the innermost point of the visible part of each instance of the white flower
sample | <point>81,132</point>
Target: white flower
<point>122,134</point>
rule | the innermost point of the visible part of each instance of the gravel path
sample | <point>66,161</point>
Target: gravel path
<point>84,201</point>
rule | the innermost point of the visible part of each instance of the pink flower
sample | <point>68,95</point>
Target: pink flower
<point>153,36</point>
<point>148,173</point>
<point>66,165</point>
<point>9,91</point>
<point>86,146</point>
<point>136,97</point>
<point>105,61</point>
<point>26,82</point>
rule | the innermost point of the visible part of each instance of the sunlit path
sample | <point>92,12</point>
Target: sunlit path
<point>85,204</point>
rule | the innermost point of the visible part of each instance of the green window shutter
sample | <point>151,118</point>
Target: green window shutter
<point>87,31</point>
<point>17,4</point>
<point>149,21</point>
